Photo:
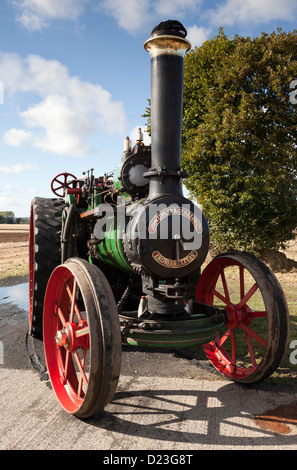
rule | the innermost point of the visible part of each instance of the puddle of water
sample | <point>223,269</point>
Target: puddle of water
<point>17,295</point>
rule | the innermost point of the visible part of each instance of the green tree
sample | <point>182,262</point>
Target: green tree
<point>240,137</point>
<point>6,217</point>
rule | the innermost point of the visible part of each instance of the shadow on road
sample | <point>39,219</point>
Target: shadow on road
<point>225,416</point>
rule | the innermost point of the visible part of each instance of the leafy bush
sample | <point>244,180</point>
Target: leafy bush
<point>239,138</point>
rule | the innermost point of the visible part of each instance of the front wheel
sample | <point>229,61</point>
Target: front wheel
<point>256,332</point>
<point>82,339</point>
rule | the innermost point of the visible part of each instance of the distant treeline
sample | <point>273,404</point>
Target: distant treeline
<point>8,217</point>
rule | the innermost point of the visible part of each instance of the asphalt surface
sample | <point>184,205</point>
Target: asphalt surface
<point>164,402</point>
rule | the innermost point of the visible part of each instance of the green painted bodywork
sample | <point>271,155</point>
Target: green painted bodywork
<point>111,250</point>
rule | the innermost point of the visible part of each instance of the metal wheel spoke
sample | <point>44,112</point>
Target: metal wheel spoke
<point>80,366</point>
<point>253,334</point>
<point>80,383</point>
<point>221,297</point>
<point>73,302</point>
<point>66,364</point>
<point>258,314</point>
<point>233,348</point>
<point>241,281</point>
<point>67,369</point>
<point>223,338</point>
<point>248,295</point>
<point>82,332</point>
<point>225,287</point>
<point>61,316</point>
<point>251,349</point>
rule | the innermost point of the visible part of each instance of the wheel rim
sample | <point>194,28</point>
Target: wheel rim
<point>239,351</point>
<point>81,366</point>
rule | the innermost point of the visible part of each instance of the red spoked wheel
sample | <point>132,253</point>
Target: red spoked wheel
<point>60,182</point>
<point>82,339</point>
<point>255,336</point>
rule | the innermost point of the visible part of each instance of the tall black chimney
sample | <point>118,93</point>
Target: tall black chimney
<point>167,47</point>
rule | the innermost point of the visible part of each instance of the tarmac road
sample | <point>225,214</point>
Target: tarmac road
<point>163,403</point>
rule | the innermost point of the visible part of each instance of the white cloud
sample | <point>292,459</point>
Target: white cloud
<point>134,15</point>
<point>17,137</point>
<point>9,200</point>
<point>175,8</point>
<point>17,200</point>
<point>238,11</point>
<point>1,93</point>
<point>131,15</point>
<point>70,109</point>
<point>35,15</point>
<point>197,35</point>
<point>64,128</point>
<point>18,168</point>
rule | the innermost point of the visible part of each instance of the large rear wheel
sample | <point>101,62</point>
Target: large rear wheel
<point>254,339</point>
<point>82,338</point>
<point>44,254</point>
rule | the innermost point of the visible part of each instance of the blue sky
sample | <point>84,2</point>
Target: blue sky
<point>75,78</point>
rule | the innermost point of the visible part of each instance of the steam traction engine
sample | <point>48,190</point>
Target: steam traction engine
<point>117,259</point>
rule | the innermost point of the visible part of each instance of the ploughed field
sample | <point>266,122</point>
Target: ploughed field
<point>14,250</point>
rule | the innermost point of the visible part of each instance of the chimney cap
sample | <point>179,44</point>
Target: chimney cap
<point>170,27</point>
